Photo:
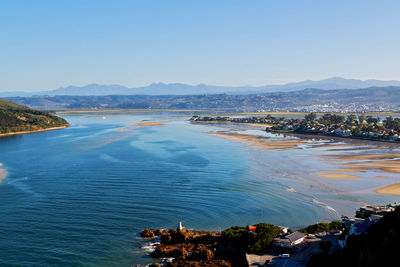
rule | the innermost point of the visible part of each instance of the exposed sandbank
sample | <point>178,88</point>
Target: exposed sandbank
<point>332,145</point>
<point>344,170</point>
<point>337,176</point>
<point>364,156</point>
<point>393,189</point>
<point>149,123</point>
<point>392,166</point>
<point>260,142</point>
<point>35,131</point>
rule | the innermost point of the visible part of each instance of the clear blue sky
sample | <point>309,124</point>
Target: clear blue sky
<point>50,44</point>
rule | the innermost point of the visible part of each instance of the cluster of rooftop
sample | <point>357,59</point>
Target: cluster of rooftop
<point>365,127</point>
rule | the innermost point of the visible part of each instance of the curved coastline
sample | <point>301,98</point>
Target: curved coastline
<point>35,131</point>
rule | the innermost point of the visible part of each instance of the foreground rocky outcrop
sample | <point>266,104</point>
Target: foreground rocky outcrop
<point>187,248</point>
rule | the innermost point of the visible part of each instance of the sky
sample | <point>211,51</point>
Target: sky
<point>45,45</point>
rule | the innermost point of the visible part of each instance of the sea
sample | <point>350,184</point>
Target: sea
<point>80,196</point>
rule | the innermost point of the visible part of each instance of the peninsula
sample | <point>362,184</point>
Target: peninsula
<point>328,124</point>
<point>17,119</point>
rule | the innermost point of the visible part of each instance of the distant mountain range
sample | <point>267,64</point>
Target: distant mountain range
<point>185,89</point>
<point>306,100</point>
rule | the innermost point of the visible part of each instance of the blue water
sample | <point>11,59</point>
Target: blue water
<point>79,196</point>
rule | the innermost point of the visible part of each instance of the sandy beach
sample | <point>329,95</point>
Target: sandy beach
<point>393,189</point>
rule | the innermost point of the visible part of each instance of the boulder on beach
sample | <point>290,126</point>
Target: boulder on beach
<point>147,233</point>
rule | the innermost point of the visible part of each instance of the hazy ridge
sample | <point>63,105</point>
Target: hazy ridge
<point>185,89</point>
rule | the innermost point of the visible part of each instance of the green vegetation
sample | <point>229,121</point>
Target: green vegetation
<point>15,118</point>
<point>253,242</point>
<point>322,227</point>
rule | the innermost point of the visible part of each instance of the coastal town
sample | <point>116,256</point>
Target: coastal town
<point>268,245</point>
<point>328,124</point>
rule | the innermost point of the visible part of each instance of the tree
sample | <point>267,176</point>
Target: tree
<point>373,120</point>
<point>265,234</point>
<point>361,119</point>
<point>350,119</point>
<point>310,116</point>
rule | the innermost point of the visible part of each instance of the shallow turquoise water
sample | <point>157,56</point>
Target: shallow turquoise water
<point>79,196</point>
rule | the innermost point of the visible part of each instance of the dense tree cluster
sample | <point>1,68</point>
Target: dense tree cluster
<point>253,242</point>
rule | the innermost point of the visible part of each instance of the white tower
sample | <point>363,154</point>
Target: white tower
<point>180,227</point>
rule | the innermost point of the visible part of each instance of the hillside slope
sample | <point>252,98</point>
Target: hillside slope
<point>15,118</point>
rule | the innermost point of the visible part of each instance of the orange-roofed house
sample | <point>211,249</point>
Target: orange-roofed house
<point>252,228</point>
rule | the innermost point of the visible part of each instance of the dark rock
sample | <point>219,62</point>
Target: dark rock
<point>201,252</point>
<point>159,232</point>
<point>180,251</point>
<point>165,238</point>
<point>147,233</point>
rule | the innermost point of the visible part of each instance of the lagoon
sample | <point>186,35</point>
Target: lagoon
<point>79,196</point>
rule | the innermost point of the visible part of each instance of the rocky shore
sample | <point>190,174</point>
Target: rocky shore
<point>183,247</point>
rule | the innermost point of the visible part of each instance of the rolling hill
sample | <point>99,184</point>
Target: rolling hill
<point>15,118</point>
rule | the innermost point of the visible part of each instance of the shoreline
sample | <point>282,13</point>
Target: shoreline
<point>34,131</point>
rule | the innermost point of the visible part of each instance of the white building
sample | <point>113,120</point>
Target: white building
<point>289,240</point>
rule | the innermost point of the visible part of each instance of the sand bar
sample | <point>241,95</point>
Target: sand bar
<point>392,166</point>
<point>337,176</point>
<point>260,142</point>
<point>332,145</point>
<point>365,156</point>
<point>344,170</point>
<point>393,189</point>
<point>140,124</point>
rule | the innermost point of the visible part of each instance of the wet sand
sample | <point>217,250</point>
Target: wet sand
<point>139,124</point>
<point>393,189</point>
<point>344,170</point>
<point>337,176</point>
<point>333,145</point>
<point>364,156</point>
<point>260,142</point>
